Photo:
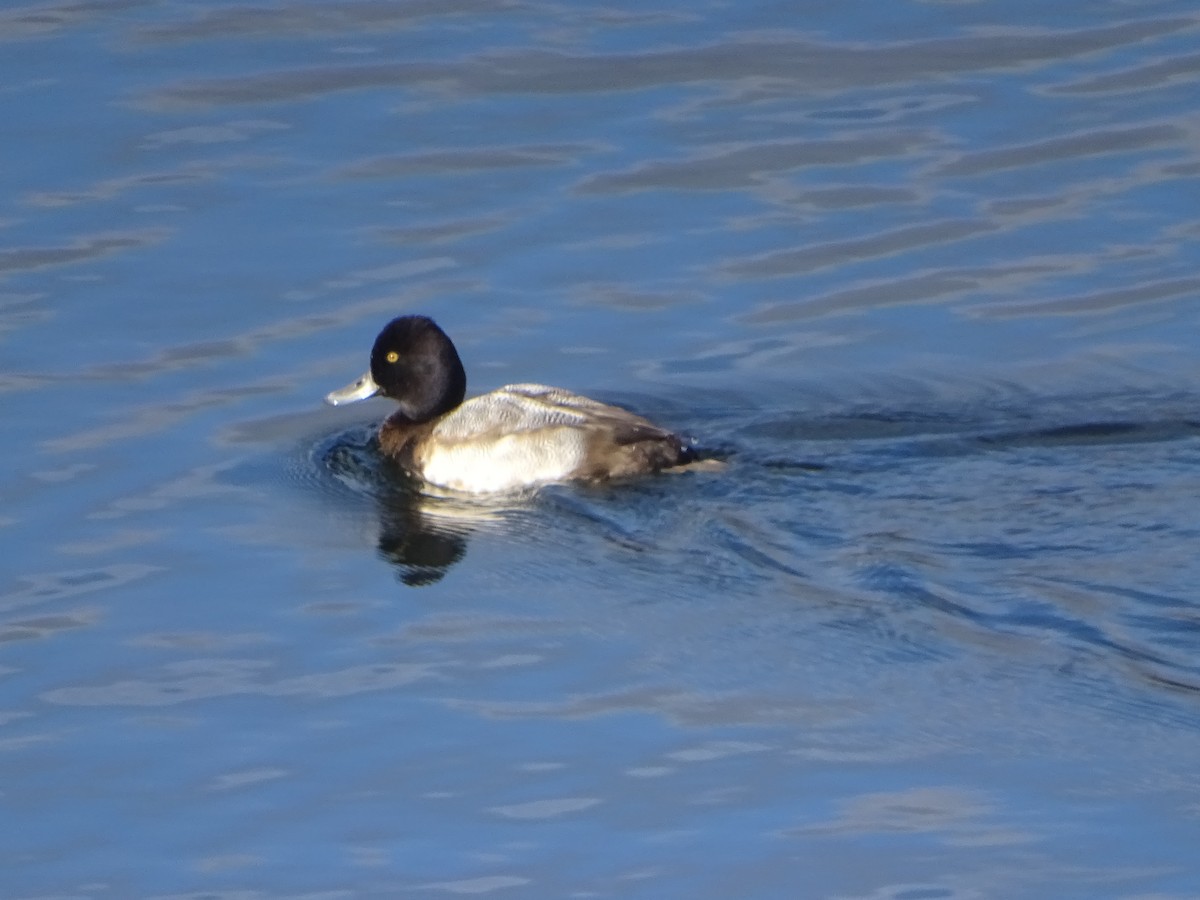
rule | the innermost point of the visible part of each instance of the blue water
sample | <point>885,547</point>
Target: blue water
<point>923,274</point>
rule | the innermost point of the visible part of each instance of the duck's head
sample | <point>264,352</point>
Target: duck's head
<point>414,363</point>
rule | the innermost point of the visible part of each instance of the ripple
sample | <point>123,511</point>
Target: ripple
<point>891,243</point>
<point>84,249</point>
<point>546,809</point>
<point>289,21</point>
<point>745,166</point>
<point>485,884</point>
<point>1178,70</point>
<point>209,679</point>
<point>1102,302</point>
<point>816,66</point>
<point>477,159</point>
<point>57,586</point>
<point>1081,145</point>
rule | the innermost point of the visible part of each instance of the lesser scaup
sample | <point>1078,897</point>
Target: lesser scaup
<point>520,435</point>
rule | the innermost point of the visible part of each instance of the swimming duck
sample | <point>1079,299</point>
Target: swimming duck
<point>517,436</point>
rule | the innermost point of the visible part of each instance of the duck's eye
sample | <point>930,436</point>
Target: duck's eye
<point>392,356</point>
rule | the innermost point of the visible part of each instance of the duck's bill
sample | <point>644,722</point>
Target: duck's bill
<point>357,390</point>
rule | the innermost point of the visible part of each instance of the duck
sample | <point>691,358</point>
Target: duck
<point>516,437</point>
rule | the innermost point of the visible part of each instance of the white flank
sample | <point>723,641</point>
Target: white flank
<point>506,464</point>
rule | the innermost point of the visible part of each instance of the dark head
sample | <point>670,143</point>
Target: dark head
<point>414,363</point>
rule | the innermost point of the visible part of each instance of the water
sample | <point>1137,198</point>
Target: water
<point>923,274</point>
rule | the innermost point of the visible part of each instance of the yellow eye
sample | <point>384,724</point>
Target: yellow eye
<point>392,356</point>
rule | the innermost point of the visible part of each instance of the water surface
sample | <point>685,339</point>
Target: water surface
<point>924,275</point>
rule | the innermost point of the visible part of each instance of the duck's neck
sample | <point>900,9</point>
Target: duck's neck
<point>397,437</point>
<point>426,406</point>
<point>438,389</point>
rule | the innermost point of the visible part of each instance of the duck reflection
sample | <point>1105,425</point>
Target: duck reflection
<point>423,530</point>
<point>421,546</point>
<point>419,534</point>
